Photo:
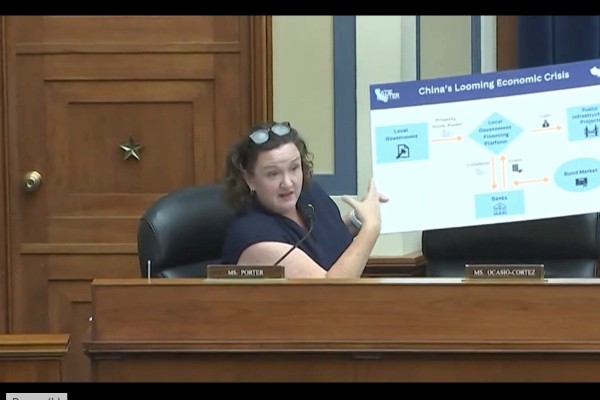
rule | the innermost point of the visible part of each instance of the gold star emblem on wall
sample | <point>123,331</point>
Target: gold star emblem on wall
<point>131,149</point>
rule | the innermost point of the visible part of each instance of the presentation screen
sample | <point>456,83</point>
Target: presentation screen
<point>487,148</point>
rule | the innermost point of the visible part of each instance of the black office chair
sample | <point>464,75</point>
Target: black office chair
<point>183,232</point>
<point>568,247</point>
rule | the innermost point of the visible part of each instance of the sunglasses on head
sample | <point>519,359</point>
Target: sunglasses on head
<point>260,136</point>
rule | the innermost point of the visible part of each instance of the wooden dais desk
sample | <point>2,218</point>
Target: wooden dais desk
<point>370,329</point>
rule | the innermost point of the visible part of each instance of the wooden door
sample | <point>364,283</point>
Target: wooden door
<point>506,38</point>
<point>83,93</point>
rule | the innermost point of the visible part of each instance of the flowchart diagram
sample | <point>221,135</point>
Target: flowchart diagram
<point>488,148</point>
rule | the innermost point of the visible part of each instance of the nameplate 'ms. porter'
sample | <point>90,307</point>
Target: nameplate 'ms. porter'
<point>222,271</point>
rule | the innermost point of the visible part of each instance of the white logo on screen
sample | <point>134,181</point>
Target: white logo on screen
<point>386,95</point>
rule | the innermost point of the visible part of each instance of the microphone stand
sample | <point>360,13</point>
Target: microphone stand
<point>311,219</point>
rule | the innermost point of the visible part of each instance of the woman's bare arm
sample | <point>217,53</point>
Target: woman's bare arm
<point>349,265</point>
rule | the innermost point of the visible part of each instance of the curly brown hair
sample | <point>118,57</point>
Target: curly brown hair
<point>243,155</point>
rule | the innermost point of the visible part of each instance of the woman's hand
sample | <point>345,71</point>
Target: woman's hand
<point>367,210</point>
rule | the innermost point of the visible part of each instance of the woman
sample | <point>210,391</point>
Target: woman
<point>268,180</point>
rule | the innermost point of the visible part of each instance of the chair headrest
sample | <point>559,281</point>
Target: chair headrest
<point>568,237</point>
<point>184,227</point>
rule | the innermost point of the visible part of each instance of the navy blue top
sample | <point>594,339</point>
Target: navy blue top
<point>328,240</point>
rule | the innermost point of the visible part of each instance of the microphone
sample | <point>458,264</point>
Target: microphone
<point>310,214</point>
